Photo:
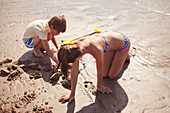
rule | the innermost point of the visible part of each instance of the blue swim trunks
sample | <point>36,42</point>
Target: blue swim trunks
<point>29,43</point>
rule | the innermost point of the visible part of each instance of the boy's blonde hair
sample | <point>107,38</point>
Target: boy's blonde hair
<point>59,23</point>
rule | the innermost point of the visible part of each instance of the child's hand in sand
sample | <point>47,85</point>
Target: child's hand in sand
<point>104,89</point>
<point>66,98</point>
<point>52,49</point>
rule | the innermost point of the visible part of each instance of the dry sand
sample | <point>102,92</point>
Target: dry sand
<point>143,85</point>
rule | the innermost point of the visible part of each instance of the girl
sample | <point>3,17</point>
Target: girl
<point>110,50</point>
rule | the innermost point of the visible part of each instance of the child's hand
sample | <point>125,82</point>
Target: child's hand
<point>104,89</point>
<point>52,49</point>
<point>66,98</point>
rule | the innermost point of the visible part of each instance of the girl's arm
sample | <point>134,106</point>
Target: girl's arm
<point>74,77</point>
<point>99,65</point>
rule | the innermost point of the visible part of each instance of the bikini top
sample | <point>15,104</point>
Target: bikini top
<point>85,49</point>
<point>106,44</point>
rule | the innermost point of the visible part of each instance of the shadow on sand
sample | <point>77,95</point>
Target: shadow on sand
<point>34,64</point>
<point>106,103</point>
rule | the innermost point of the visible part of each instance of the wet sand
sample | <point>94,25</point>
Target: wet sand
<point>143,85</point>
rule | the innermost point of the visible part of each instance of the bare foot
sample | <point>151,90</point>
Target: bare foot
<point>37,53</point>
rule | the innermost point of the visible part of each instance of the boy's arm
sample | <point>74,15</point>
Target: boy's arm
<point>55,42</point>
<point>49,52</point>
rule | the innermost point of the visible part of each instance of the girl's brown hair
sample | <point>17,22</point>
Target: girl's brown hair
<point>67,55</point>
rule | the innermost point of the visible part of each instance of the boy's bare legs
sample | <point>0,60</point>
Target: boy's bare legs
<point>37,46</point>
<point>117,62</point>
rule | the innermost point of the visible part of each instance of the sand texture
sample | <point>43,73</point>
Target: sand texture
<point>29,84</point>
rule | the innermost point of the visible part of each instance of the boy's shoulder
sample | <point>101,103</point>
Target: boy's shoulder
<point>39,22</point>
<point>41,25</point>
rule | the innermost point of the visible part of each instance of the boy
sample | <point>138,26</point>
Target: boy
<point>39,32</point>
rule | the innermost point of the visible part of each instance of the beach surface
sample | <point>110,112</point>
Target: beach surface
<point>142,86</point>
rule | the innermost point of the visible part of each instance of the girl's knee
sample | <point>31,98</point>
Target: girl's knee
<point>128,58</point>
<point>104,76</point>
<point>112,76</point>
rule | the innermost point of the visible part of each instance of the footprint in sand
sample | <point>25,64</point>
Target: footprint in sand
<point>12,71</point>
<point>22,102</point>
<point>40,109</point>
<point>5,61</point>
<point>4,72</point>
<point>28,97</point>
<point>90,87</point>
<point>133,52</point>
<point>35,75</point>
